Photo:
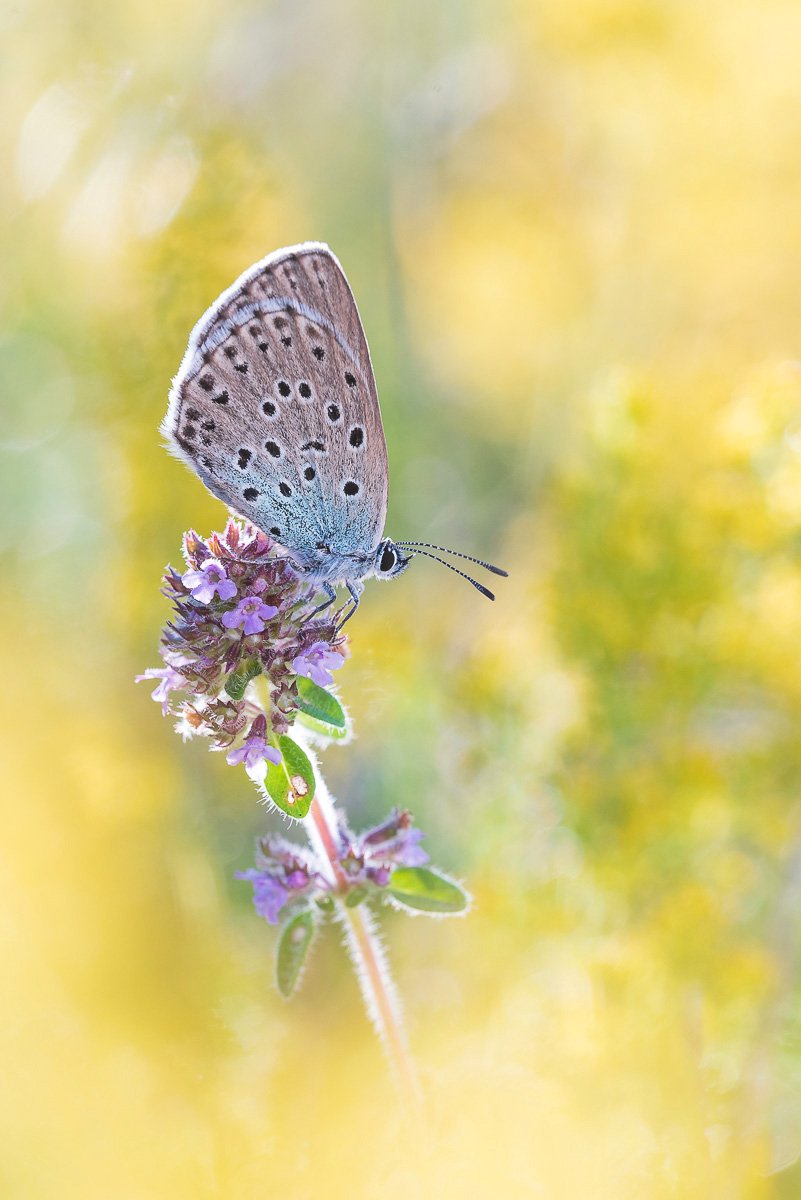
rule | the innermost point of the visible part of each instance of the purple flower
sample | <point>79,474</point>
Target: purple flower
<point>209,579</point>
<point>269,894</point>
<point>253,751</point>
<point>251,613</point>
<point>284,872</point>
<point>170,680</point>
<point>317,663</point>
<point>406,850</point>
<point>297,878</point>
<point>264,623</point>
<point>395,842</point>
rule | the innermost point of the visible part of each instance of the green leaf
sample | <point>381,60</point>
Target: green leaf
<point>294,941</point>
<point>355,897</point>
<point>321,710</point>
<point>426,891</point>
<point>236,683</point>
<point>329,732</point>
<point>290,784</point>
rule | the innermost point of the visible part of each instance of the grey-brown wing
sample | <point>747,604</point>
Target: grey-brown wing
<point>275,405</point>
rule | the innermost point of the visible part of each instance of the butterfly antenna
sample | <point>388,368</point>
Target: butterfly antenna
<point>478,586</point>
<point>457,553</point>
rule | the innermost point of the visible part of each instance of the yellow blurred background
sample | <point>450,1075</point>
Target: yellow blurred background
<point>574,231</point>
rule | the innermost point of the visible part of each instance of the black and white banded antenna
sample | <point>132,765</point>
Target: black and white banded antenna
<point>416,548</point>
<point>457,554</point>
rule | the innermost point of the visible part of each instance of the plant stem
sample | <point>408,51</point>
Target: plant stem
<point>380,996</point>
<point>364,945</point>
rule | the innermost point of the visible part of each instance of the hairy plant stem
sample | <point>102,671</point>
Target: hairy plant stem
<point>364,946</point>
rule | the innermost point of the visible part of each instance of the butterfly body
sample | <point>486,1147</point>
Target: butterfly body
<point>275,408</point>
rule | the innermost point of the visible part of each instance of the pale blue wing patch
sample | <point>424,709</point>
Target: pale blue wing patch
<point>275,408</point>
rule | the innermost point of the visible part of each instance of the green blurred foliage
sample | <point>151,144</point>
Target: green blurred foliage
<point>572,227</point>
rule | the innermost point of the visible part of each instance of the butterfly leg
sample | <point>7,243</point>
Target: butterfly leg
<point>330,594</point>
<point>355,590</point>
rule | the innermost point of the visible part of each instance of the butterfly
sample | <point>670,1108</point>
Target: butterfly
<point>275,408</point>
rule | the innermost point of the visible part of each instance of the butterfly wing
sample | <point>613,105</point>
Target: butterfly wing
<point>275,408</point>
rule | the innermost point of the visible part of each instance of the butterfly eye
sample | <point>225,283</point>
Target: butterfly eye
<point>387,560</point>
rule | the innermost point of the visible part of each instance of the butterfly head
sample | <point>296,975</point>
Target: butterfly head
<point>389,560</point>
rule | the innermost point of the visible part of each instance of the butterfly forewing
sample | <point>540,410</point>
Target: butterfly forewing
<point>275,407</point>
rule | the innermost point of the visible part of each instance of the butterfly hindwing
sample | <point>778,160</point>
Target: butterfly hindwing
<point>275,406</point>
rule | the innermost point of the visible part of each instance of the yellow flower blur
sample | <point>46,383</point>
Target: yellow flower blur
<point>573,230</point>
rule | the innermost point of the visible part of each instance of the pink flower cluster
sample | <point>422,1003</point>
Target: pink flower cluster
<point>286,874</point>
<point>240,611</point>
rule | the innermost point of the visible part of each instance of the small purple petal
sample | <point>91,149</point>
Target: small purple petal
<point>297,879</point>
<point>169,681</point>
<point>317,663</point>
<point>208,580</point>
<point>269,895</point>
<point>394,842</point>
<point>251,613</point>
<point>254,750</point>
<point>411,856</point>
<point>226,589</point>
